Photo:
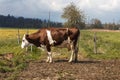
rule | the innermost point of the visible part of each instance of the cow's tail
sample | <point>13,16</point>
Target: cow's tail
<point>77,46</point>
<point>78,41</point>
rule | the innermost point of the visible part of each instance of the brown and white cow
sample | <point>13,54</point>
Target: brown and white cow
<point>50,37</point>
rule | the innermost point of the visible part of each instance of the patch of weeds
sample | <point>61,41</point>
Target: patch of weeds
<point>4,69</point>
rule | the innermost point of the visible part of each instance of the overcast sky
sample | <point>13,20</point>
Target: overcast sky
<point>105,10</point>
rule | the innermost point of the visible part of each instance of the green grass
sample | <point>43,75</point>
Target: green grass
<point>108,44</point>
<point>9,44</point>
<point>108,47</point>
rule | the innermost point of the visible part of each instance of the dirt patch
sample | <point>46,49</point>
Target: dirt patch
<point>62,70</point>
<point>104,30</point>
<point>4,75</point>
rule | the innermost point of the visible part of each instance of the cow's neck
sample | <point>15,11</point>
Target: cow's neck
<point>33,41</point>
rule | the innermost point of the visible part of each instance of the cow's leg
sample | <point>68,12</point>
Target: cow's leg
<point>49,57</point>
<point>72,53</point>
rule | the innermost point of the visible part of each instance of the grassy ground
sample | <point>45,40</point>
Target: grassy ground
<point>9,44</point>
<point>108,47</point>
<point>108,44</point>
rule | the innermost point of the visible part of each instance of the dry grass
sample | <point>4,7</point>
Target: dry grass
<point>103,30</point>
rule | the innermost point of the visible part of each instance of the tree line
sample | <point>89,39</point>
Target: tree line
<point>97,24</point>
<point>21,22</point>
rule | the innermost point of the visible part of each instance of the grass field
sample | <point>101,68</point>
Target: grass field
<point>108,47</point>
<point>108,44</point>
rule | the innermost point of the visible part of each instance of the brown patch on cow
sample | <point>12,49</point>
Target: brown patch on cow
<point>62,36</point>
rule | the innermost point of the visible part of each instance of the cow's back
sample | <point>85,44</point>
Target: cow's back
<point>59,35</point>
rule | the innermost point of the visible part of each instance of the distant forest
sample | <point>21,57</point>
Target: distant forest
<point>21,22</point>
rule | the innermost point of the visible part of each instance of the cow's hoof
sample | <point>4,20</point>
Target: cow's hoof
<point>50,62</point>
<point>47,61</point>
<point>69,61</point>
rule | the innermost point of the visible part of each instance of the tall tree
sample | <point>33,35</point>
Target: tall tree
<point>74,16</point>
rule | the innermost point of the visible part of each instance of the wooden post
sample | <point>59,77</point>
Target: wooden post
<point>95,43</point>
<point>27,31</point>
<point>31,48</point>
<point>18,36</point>
<point>30,45</point>
<point>26,49</point>
<point>49,20</point>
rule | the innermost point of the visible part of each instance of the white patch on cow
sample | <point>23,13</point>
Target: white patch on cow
<point>25,43</point>
<point>69,40</point>
<point>50,39</point>
<point>68,37</point>
<point>71,57</point>
<point>43,47</point>
<point>67,30</point>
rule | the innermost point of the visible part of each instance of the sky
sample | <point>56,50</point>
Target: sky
<point>104,10</point>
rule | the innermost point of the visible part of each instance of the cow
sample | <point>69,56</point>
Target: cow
<point>53,37</point>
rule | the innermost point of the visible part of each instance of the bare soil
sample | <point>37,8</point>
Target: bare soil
<point>104,30</point>
<point>62,70</point>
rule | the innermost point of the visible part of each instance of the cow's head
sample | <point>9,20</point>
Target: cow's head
<point>25,42</point>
